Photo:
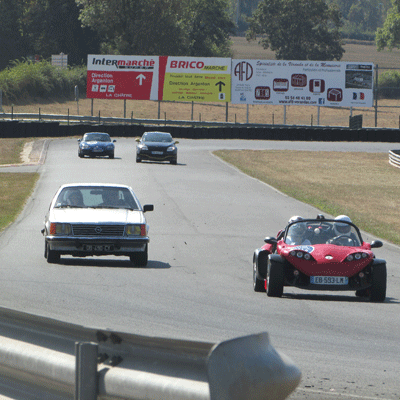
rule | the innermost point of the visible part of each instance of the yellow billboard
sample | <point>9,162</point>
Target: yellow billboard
<point>197,79</point>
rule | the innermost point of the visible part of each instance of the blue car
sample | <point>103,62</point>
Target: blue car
<point>95,144</point>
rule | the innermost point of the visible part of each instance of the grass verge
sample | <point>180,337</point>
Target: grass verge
<point>15,188</point>
<point>363,186</point>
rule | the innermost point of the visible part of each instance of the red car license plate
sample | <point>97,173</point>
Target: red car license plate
<point>329,280</point>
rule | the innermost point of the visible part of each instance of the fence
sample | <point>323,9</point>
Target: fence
<point>384,114</point>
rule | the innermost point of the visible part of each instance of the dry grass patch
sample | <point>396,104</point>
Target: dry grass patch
<point>15,188</point>
<point>10,150</point>
<point>361,185</point>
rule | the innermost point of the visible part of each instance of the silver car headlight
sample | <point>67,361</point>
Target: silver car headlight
<point>85,146</point>
<point>60,229</point>
<point>171,148</point>
<point>136,230</point>
<point>110,146</point>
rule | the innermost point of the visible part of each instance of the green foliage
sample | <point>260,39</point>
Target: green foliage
<point>298,29</point>
<point>12,43</point>
<point>389,84</point>
<point>389,35</point>
<point>27,80</point>
<point>159,27</point>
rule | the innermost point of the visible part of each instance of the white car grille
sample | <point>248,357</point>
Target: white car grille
<point>98,230</point>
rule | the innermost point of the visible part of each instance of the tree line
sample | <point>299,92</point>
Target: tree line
<point>294,29</point>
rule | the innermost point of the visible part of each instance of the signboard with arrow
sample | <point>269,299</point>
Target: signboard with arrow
<point>122,77</point>
<point>205,79</point>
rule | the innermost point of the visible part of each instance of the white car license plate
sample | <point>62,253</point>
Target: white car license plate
<point>157,152</point>
<point>98,247</point>
<point>329,280</point>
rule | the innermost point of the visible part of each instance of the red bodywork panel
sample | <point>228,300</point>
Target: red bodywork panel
<point>327,259</point>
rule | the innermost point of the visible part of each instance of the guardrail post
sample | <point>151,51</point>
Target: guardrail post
<point>250,368</point>
<point>86,379</point>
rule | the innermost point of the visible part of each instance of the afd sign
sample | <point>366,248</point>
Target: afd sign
<point>305,83</point>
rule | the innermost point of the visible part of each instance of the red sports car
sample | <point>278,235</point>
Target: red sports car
<point>320,254</point>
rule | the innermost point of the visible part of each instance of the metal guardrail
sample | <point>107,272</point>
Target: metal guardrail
<point>75,362</point>
<point>394,158</point>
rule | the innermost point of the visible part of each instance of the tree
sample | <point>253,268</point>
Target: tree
<point>159,27</point>
<point>389,35</point>
<point>298,29</point>
<point>53,26</point>
<point>209,27</point>
<point>12,43</point>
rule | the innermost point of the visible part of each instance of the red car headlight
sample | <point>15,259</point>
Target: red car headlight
<point>356,256</point>
<point>300,254</point>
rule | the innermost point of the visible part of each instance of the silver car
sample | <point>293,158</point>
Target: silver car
<point>96,220</point>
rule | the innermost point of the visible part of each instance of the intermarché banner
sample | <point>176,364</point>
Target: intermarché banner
<point>208,79</point>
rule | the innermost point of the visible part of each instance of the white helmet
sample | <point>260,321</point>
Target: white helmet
<point>342,229</point>
<point>297,229</point>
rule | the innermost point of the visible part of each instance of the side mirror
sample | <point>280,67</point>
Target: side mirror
<point>137,139</point>
<point>270,240</point>
<point>176,142</point>
<point>114,140</point>
<point>148,207</point>
<point>79,140</point>
<point>376,243</point>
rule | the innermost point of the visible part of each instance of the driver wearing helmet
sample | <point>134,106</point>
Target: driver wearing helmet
<point>297,232</point>
<point>342,231</point>
<point>339,228</point>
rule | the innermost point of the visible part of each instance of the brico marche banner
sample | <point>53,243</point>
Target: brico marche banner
<point>314,83</point>
<point>197,79</point>
<point>159,78</point>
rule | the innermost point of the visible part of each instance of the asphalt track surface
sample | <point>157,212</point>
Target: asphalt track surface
<point>207,221</point>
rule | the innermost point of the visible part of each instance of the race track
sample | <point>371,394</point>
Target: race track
<point>208,218</point>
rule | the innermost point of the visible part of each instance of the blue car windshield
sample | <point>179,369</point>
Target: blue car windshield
<point>96,137</point>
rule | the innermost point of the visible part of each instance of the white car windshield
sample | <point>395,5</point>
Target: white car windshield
<point>96,197</point>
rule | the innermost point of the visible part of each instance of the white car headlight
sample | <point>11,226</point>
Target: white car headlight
<point>143,147</point>
<point>60,229</point>
<point>171,148</point>
<point>136,230</point>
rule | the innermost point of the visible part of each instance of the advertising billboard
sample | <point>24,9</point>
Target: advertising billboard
<point>122,77</point>
<point>316,83</point>
<point>197,79</point>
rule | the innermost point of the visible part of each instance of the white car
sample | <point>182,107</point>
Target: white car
<point>96,220</point>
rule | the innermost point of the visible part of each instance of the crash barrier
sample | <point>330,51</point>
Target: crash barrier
<point>394,158</point>
<point>71,361</point>
<point>191,130</point>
